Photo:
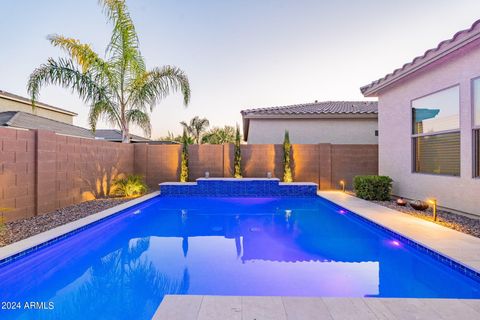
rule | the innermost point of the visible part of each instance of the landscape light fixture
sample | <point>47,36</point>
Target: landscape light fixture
<point>342,183</point>
<point>433,202</point>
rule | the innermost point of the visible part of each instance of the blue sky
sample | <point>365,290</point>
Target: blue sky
<point>238,54</point>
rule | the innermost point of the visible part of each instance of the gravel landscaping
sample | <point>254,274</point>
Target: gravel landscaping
<point>21,229</point>
<point>451,220</point>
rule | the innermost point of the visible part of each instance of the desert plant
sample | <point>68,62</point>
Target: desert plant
<point>130,186</point>
<point>237,161</point>
<point>184,164</point>
<point>373,187</point>
<point>196,128</point>
<point>119,88</point>
<point>287,167</point>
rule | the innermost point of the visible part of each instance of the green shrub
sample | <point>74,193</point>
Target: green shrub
<point>237,162</point>
<point>184,164</point>
<point>373,187</point>
<point>130,186</point>
<point>287,167</point>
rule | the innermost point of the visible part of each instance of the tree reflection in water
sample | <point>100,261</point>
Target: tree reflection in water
<point>122,278</point>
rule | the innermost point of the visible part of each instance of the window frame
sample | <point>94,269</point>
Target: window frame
<point>475,132</point>
<point>414,136</point>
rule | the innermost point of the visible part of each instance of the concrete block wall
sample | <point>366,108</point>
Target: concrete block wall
<point>17,173</point>
<point>41,171</point>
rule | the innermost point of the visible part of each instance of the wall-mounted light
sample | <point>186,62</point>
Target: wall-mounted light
<point>433,202</point>
<point>342,183</point>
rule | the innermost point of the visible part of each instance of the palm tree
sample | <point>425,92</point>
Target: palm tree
<point>119,88</point>
<point>196,128</point>
<point>220,135</point>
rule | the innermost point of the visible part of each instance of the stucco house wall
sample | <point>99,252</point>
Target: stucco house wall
<point>311,131</point>
<point>7,104</point>
<point>395,141</point>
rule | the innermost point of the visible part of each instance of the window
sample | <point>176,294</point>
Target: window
<point>436,133</point>
<point>476,126</point>
<point>476,141</point>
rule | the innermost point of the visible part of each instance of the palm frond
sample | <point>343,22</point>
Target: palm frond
<point>152,87</point>
<point>103,110</point>
<point>140,119</point>
<point>124,43</point>
<point>64,73</point>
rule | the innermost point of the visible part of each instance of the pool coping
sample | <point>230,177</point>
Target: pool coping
<point>454,248</point>
<point>203,307</point>
<point>23,247</point>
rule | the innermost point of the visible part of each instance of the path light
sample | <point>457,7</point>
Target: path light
<point>342,183</point>
<point>433,202</point>
<point>269,175</point>
<point>207,174</point>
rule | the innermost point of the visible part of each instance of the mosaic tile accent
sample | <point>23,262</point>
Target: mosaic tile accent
<point>238,188</point>
<point>456,266</point>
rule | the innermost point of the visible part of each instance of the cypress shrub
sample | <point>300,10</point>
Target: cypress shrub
<point>287,167</point>
<point>184,164</point>
<point>237,162</point>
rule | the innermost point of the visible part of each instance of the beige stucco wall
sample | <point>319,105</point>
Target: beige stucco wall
<point>308,131</point>
<point>11,105</point>
<point>395,145</point>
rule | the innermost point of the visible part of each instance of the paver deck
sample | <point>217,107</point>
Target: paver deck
<point>176,307</point>
<point>463,248</point>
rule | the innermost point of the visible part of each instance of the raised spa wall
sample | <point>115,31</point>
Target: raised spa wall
<point>233,187</point>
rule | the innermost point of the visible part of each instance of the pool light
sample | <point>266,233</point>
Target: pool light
<point>137,211</point>
<point>342,211</point>
<point>433,202</point>
<point>342,183</point>
<point>395,243</point>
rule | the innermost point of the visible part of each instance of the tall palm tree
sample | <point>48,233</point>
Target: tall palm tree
<point>119,88</point>
<point>196,128</point>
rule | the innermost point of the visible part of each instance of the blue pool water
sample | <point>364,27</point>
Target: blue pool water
<point>122,267</point>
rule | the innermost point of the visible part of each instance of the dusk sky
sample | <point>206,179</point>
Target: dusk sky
<point>237,54</point>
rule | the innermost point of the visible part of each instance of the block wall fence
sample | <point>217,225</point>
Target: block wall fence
<point>41,171</point>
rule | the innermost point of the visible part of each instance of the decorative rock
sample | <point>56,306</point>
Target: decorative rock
<point>401,202</point>
<point>419,205</point>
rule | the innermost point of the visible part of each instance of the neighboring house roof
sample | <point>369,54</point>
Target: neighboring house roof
<point>14,97</point>
<point>116,135</point>
<point>24,120</point>
<point>444,48</point>
<point>327,109</point>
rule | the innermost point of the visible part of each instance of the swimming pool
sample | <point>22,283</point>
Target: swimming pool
<point>122,267</point>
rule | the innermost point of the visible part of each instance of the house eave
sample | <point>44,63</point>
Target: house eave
<point>374,88</point>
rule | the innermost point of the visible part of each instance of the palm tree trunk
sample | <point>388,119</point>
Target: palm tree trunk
<point>125,135</point>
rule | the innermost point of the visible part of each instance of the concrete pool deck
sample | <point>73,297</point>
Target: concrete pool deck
<point>176,307</point>
<point>457,246</point>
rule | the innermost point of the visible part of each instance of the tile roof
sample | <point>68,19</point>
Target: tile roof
<point>459,40</point>
<point>12,96</point>
<point>24,120</point>
<point>115,135</point>
<point>318,108</point>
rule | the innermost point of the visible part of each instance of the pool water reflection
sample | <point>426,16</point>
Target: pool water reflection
<point>122,268</point>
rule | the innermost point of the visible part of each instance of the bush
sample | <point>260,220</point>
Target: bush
<point>130,186</point>
<point>373,187</point>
